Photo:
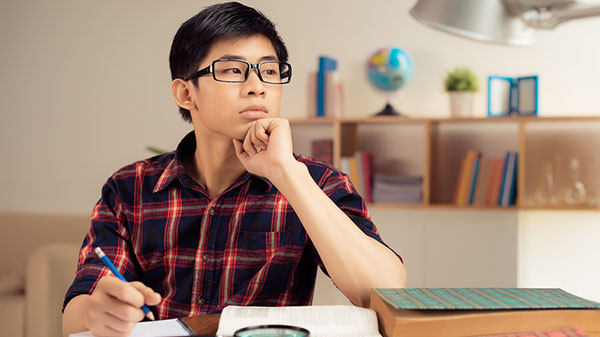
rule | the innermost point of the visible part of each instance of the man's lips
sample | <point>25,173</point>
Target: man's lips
<point>254,111</point>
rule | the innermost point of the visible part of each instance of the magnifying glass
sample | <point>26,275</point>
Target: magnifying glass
<point>272,330</point>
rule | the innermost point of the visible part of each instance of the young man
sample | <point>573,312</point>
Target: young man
<point>232,217</point>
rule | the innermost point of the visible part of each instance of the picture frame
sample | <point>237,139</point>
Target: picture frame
<point>512,95</point>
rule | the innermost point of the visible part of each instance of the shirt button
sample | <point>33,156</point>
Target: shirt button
<point>211,211</point>
<point>200,300</point>
<point>204,257</point>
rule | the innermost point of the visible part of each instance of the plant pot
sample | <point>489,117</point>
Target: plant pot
<point>461,103</point>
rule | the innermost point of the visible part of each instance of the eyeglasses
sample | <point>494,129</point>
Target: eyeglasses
<point>237,71</point>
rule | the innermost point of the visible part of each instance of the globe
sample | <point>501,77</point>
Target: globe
<point>389,69</point>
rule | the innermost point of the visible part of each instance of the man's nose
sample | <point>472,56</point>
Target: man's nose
<point>254,86</point>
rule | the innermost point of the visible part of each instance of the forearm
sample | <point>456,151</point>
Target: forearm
<point>355,262</point>
<point>73,317</point>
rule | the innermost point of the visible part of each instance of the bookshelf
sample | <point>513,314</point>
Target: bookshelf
<point>434,148</point>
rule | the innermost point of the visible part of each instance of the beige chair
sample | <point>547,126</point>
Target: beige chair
<point>50,271</point>
<point>38,257</point>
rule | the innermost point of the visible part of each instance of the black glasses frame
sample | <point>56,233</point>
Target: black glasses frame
<point>209,69</point>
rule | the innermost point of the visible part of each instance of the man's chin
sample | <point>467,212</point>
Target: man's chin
<point>241,132</point>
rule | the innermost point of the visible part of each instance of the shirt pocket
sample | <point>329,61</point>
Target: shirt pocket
<point>262,261</point>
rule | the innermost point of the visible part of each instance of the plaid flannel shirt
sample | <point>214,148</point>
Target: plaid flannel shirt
<point>243,247</point>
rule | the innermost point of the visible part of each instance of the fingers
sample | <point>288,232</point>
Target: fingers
<point>258,145</point>
<point>118,309</point>
<point>114,306</point>
<point>150,296</point>
<point>260,136</point>
<point>248,146</point>
<point>256,139</point>
<point>238,146</point>
<point>123,291</point>
<point>106,324</point>
<point>271,135</point>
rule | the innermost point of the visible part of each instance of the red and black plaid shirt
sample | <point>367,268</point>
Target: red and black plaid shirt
<point>244,247</point>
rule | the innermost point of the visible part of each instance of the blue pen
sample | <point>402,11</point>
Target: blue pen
<point>114,270</point>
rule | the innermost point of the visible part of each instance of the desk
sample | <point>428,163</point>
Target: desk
<point>203,324</point>
<point>208,324</point>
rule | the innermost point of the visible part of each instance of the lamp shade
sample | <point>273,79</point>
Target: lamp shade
<point>484,20</point>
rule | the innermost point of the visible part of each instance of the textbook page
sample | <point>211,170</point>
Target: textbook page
<point>167,327</point>
<point>321,321</point>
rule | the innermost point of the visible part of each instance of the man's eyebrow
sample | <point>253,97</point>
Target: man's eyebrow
<point>239,57</point>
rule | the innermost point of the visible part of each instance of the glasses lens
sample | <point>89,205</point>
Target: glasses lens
<point>270,72</point>
<point>275,72</point>
<point>286,72</point>
<point>230,71</point>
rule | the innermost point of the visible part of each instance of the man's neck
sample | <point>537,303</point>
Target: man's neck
<point>214,164</point>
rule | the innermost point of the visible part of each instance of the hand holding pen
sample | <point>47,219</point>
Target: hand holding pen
<point>115,272</point>
<point>114,305</point>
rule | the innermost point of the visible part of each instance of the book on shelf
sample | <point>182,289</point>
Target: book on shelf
<point>320,321</point>
<point>492,188</point>
<point>467,178</point>
<point>461,312</point>
<point>322,149</point>
<point>332,94</point>
<point>354,174</point>
<point>326,64</point>
<point>312,94</point>
<point>365,173</point>
<point>360,178</point>
<point>345,165</point>
<point>474,176</point>
<point>461,173</point>
<point>487,181</point>
<point>359,167</point>
<point>482,177</point>
<point>509,180</point>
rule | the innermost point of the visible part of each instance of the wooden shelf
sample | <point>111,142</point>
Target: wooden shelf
<point>388,206</point>
<point>396,119</point>
<point>560,208</point>
<point>434,147</point>
<point>384,206</point>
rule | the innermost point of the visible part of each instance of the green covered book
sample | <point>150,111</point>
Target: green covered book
<point>457,312</point>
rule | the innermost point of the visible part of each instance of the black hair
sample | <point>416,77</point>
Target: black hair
<point>198,34</point>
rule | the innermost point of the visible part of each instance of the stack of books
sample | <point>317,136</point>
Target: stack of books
<point>461,312</point>
<point>487,181</point>
<point>397,189</point>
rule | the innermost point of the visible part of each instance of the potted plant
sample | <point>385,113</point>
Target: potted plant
<point>461,85</point>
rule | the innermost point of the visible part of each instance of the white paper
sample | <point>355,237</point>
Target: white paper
<point>499,96</point>
<point>527,95</point>
<point>321,321</point>
<point>167,327</point>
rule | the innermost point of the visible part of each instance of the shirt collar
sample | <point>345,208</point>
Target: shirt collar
<point>175,168</point>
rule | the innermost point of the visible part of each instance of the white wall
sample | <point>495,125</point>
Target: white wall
<point>84,87</point>
<point>446,249</point>
<point>560,250</point>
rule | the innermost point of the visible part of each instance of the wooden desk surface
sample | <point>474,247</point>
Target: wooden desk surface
<point>203,324</point>
<point>208,324</point>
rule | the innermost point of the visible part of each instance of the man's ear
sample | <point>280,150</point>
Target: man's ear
<point>181,91</point>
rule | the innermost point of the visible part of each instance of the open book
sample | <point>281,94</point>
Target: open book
<point>321,321</point>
